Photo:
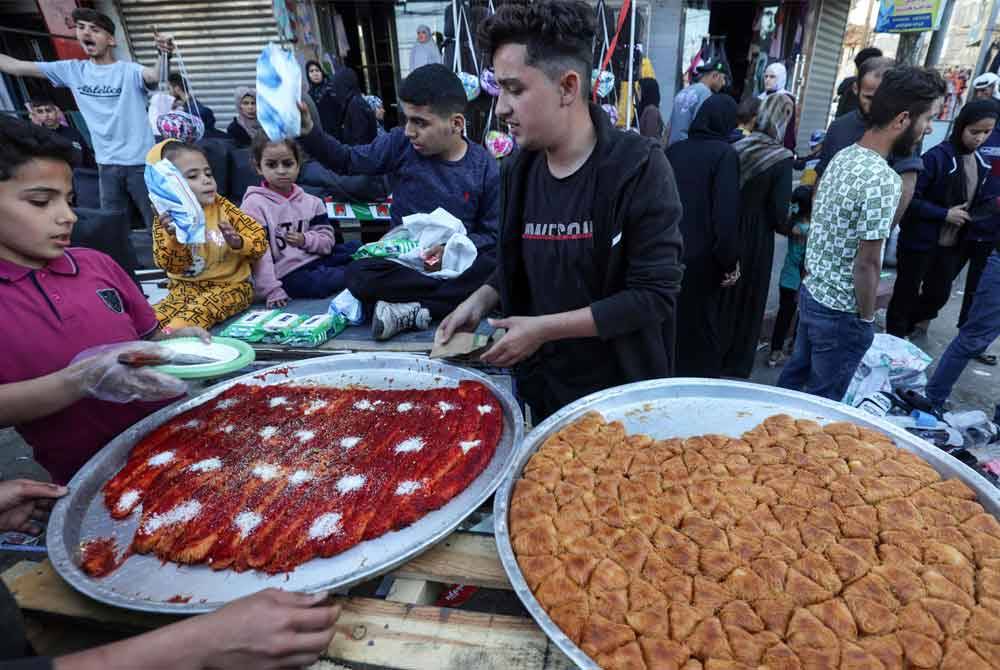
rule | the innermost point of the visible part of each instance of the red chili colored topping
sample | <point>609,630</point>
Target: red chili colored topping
<point>267,478</point>
<point>100,557</point>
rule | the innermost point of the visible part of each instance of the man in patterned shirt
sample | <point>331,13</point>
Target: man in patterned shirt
<point>852,216</point>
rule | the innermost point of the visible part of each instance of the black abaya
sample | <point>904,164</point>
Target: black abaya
<point>765,201</point>
<point>707,169</point>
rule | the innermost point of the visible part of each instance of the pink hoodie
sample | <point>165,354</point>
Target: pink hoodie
<point>300,213</point>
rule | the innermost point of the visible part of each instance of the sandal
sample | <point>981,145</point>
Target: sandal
<point>987,359</point>
<point>775,359</point>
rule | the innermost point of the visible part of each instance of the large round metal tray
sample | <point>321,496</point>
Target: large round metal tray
<point>144,583</point>
<point>683,408</point>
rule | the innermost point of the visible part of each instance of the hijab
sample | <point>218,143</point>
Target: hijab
<point>250,125</point>
<point>345,84</point>
<point>424,53</point>
<point>649,94</point>
<point>781,78</point>
<point>715,119</point>
<point>325,87</point>
<point>973,112</point>
<point>764,147</point>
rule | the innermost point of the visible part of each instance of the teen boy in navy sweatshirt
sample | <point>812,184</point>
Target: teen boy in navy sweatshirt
<point>430,164</point>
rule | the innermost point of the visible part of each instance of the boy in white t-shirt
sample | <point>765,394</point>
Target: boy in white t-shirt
<point>111,96</point>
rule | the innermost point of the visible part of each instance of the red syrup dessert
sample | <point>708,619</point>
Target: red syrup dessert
<point>269,477</point>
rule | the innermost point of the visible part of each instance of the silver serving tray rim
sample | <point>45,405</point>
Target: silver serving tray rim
<point>144,583</point>
<point>636,403</point>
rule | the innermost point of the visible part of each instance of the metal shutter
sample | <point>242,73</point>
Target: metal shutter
<point>823,65</point>
<point>219,41</point>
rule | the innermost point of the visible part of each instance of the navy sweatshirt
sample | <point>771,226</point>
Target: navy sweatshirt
<point>469,189</point>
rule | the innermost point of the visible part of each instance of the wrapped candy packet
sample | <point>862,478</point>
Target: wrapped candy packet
<point>316,330</point>
<point>386,248</point>
<point>277,329</point>
<point>250,326</point>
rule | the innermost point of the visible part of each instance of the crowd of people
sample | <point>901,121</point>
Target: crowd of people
<point>602,263</point>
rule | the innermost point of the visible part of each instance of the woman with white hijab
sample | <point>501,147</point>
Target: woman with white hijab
<point>425,51</point>
<point>775,79</point>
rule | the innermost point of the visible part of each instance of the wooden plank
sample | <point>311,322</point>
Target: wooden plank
<point>370,631</point>
<point>462,558</point>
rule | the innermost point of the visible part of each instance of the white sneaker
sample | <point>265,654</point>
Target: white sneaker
<point>392,318</point>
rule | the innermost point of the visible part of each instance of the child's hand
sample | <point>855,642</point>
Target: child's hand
<point>296,239</point>
<point>307,119</point>
<point>233,239</point>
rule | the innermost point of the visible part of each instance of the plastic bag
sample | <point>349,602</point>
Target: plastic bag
<point>170,194</point>
<point>889,364</point>
<point>439,228</point>
<point>279,89</point>
<point>101,376</point>
<point>349,307</point>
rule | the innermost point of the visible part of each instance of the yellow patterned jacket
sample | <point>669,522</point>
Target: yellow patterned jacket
<point>214,261</point>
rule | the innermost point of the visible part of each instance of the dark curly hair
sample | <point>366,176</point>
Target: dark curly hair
<point>905,88</point>
<point>434,86</point>
<point>558,36</point>
<point>21,142</point>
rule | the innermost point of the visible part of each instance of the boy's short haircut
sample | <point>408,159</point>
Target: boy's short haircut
<point>905,88</point>
<point>102,21</point>
<point>748,109</point>
<point>21,142</point>
<point>171,149</point>
<point>866,54</point>
<point>434,86</point>
<point>42,101</point>
<point>260,142</point>
<point>175,79</point>
<point>558,35</point>
<point>877,65</point>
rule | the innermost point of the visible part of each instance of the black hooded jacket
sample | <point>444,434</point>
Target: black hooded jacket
<point>357,124</point>
<point>636,240</point>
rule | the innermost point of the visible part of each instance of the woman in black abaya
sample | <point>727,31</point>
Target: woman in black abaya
<point>706,168</point>
<point>765,191</point>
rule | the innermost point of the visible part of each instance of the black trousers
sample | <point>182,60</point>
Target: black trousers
<point>788,299</point>
<point>975,253</point>
<point>699,340</point>
<point>374,279</point>
<point>923,287</point>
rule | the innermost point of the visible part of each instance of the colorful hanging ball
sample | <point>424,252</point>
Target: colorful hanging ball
<point>488,81</point>
<point>612,112</point>
<point>180,126</point>
<point>499,144</point>
<point>470,83</point>
<point>603,81</point>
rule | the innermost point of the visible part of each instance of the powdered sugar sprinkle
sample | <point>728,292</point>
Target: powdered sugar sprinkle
<point>445,407</point>
<point>128,500</point>
<point>485,409</point>
<point>246,522</point>
<point>266,471</point>
<point>350,483</point>
<point>300,477</point>
<point>324,526</point>
<point>180,514</point>
<point>305,435</point>
<point>227,403</point>
<point>206,465</point>
<point>406,488</point>
<point>412,444</point>
<point>280,400</point>
<point>268,432</point>
<point>315,406</point>
<point>404,407</point>
<point>162,458</point>
<point>468,446</point>
<point>349,442</point>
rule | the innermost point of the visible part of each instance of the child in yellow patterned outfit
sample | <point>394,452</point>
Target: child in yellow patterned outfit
<point>210,282</point>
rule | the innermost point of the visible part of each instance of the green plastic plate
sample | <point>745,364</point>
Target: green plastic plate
<point>233,355</point>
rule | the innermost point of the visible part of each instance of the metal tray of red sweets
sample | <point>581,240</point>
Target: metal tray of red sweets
<point>145,583</point>
<point>667,408</point>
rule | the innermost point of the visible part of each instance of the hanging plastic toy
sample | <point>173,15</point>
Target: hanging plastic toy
<point>499,144</point>
<point>603,81</point>
<point>470,83</point>
<point>180,126</point>
<point>488,82</point>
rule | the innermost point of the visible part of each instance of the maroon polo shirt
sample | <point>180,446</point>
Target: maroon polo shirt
<point>79,301</point>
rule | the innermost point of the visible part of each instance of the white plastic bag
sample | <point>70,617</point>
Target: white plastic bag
<point>170,194</point>
<point>890,363</point>
<point>279,88</point>
<point>436,229</point>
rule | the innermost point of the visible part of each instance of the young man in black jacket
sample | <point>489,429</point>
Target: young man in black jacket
<point>589,259</point>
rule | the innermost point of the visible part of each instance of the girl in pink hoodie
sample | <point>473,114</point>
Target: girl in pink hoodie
<point>303,259</point>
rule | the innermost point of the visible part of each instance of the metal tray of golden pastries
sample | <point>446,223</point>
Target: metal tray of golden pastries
<point>145,583</point>
<point>668,408</point>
